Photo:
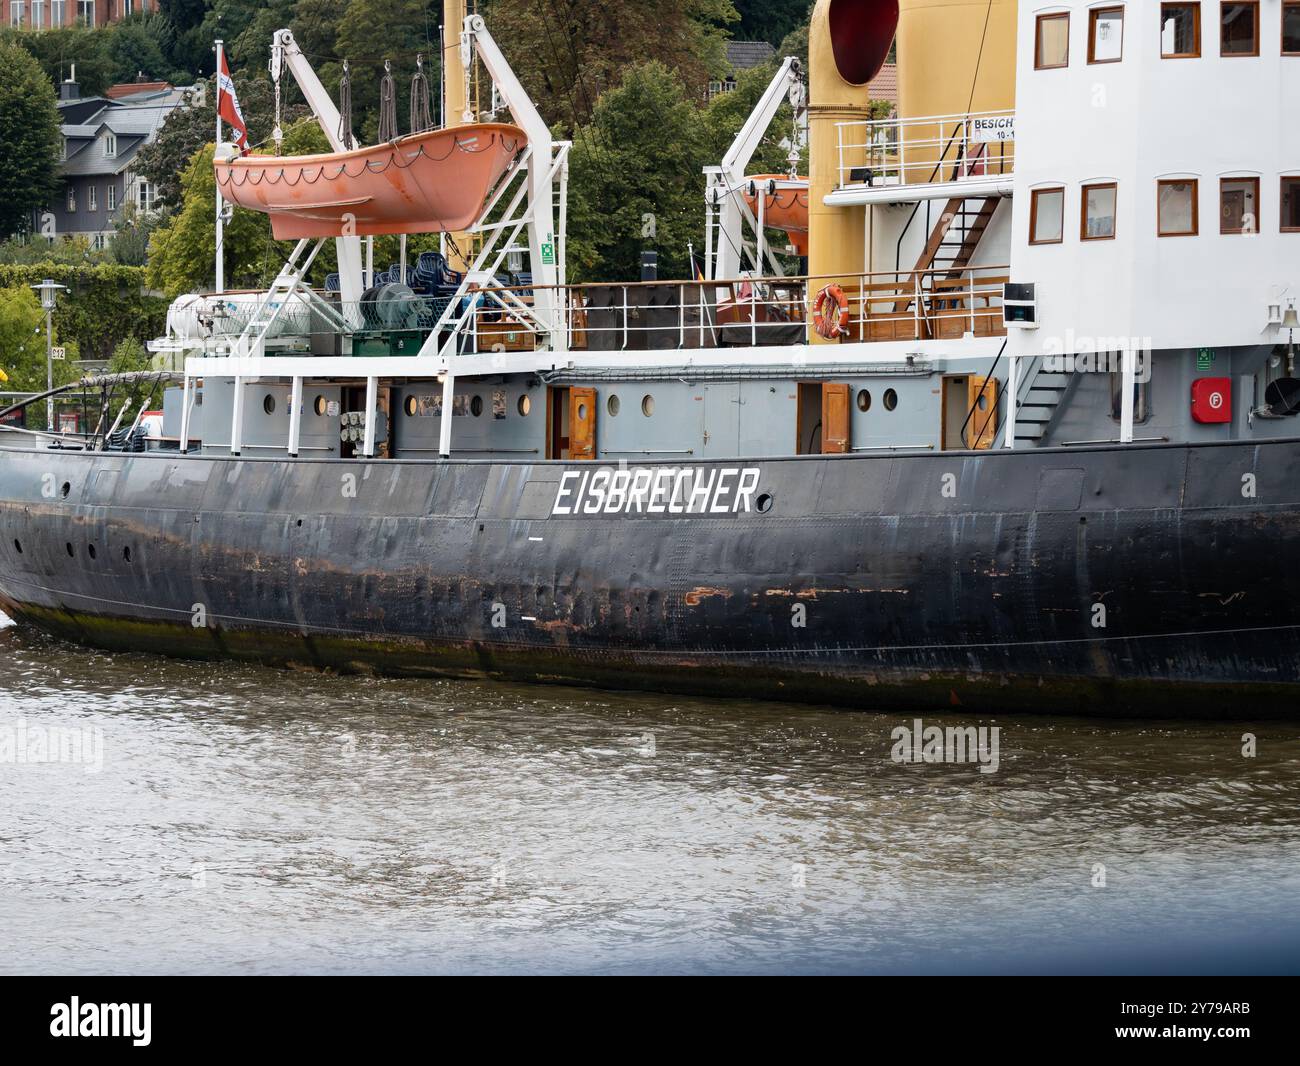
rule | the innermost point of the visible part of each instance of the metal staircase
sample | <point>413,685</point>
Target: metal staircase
<point>952,243</point>
<point>1038,399</point>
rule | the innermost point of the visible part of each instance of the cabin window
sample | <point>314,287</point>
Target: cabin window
<point>1141,390</point>
<point>1052,46</point>
<point>1239,205</point>
<point>1180,31</point>
<point>1239,29</point>
<point>1047,216</point>
<point>1176,210</point>
<point>864,400</point>
<point>1291,205</point>
<point>1098,215</point>
<point>1106,35</point>
<point>1291,28</point>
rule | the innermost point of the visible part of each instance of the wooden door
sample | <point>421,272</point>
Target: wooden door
<point>582,423</point>
<point>835,418</point>
<point>982,403</point>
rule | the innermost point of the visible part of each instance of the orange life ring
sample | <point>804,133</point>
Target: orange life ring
<point>827,325</point>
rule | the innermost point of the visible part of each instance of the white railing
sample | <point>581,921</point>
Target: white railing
<point>639,316</point>
<point>936,148</point>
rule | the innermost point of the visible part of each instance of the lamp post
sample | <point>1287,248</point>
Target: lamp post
<point>49,290</point>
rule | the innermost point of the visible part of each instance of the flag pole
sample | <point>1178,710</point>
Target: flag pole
<point>220,258</point>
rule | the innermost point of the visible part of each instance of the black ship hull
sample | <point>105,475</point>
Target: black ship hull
<point>1139,580</point>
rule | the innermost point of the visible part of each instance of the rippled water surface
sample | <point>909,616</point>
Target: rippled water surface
<point>251,820</point>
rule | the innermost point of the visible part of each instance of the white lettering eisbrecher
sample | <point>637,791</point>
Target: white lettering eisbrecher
<point>664,490</point>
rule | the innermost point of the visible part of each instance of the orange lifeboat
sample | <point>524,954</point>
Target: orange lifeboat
<point>786,208</point>
<point>424,183</point>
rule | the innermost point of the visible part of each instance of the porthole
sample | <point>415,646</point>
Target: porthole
<point>18,547</point>
<point>983,401</point>
<point>68,546</point>
<point>647,405</point>
<point>582,412</point>
<point>525,405</point>
<point>612,404</point>
<point>321,405</point>
<point>411,406</point>
<point>476,406</point>
<point>126,554</point>
<point>67,488</point>
<point>91,549</point>
<point>891,399</point>
<point>864,400</point>
<point>268,404</point>
<point>764,502</point>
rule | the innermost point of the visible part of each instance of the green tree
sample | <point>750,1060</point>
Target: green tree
<point>771,20</point>
<point>636,178</point>
<point>568,52</point>
<point>22,342</point>
<point>29,134</point>
<point>58,49</point>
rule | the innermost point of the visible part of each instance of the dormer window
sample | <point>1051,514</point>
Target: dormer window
<point>1106,35</point>
<point>110,146</point>
<point>1239,29</point>
<point>1180,31</point>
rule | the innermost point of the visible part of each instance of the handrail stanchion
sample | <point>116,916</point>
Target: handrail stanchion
<point>753,312</point>
<point>625,318</point>
<point>681,316</point>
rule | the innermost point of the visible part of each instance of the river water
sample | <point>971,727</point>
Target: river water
<point>217,817</point>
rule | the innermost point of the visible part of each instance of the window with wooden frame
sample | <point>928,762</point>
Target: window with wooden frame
<point>1180,31</point>
<point>1105,35</point>
<point>1239,29</point>
<point>1291,28</point>
<point>1052,42</point>
<point>1291,204</point>
<point>1176,208</point>
<point>1239,205</point>
<point>1047,216</point>
<point>1097,217</point>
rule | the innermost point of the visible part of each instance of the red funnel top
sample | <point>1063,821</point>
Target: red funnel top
<point>861,33</point>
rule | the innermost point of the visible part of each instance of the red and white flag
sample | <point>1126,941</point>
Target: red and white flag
<point>228,105</point>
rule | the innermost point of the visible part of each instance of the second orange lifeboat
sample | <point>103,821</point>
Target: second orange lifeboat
<point>785,205</point>
<point>425,183</point>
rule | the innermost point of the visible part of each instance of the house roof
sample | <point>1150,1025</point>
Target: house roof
<point>135,88</point>
<point>884,86</point>
<point>743,55</point>
<point>135,121</point>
